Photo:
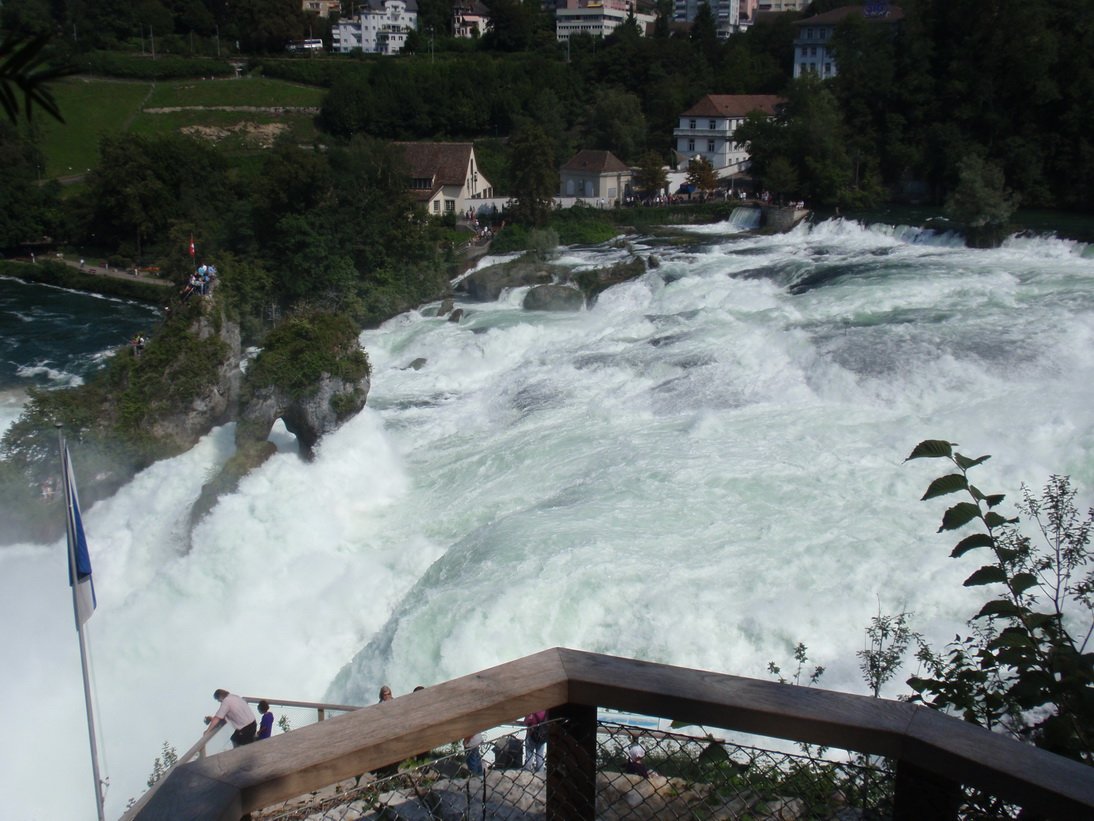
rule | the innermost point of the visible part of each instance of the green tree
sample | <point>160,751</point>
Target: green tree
<point>1025,668</point>
<point>651,177</point>
<point>616,123</point>
<point>701,175</point>
<point>534,173</point>
<point>981,201</point>
<point>780,177</point>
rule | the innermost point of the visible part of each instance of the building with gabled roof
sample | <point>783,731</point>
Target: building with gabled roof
<point>597,175</point>
<point>445,177</point>
<point>706,129</point>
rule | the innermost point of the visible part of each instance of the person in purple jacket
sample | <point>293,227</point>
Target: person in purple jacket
<point>265,724</point>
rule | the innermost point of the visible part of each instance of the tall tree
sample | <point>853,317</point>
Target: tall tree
<point>534,172</point>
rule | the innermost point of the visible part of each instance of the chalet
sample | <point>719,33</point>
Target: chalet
<point>596,175</point>
<point>813,53</point>
<point>706,129</point>
<point>444,177</point>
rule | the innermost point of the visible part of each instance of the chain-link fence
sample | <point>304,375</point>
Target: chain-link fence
<point>640,774</point>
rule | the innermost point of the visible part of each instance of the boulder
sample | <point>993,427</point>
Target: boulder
<point>599,279</point>
<point>486,284</point>
<point>554,298</point>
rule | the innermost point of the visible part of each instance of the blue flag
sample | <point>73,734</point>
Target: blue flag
<point>84,597</point>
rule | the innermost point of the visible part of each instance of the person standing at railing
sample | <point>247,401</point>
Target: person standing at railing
<point>235,711</point>
<point>471,745</point>
<point>265,725</point>
<point>535,740</point>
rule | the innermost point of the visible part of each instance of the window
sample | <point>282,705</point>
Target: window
<point>691,145</point>
<point>449,206</point>
<point>812,51</point>
<point>691,124</point>
<point>436,206</point>
<point>827,68</point>
<point>712,125</point>
<point>710,146</point>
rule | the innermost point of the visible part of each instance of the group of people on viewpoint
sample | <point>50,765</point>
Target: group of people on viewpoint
<point>201,282</point>
<point>236,711</point>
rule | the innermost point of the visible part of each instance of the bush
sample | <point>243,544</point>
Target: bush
<point>164,67</point>
<point>1024,668</point>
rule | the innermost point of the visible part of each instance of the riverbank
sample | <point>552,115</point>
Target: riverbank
<point>69,274</point>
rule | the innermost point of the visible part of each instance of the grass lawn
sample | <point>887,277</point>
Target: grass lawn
<point>245,91</point>
<point>92,109</point>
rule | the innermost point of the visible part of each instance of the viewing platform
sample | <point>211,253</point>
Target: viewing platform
<point>883,759</point>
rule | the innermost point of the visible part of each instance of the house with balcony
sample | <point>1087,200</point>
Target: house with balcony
<point>707,128</point>
<point>598,18</point>
<point>445,177</point>
<point>595,175</point>
<point>379,27</point>
<point>813,52</point>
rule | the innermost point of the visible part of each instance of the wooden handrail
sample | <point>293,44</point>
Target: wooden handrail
<point>227,785</point>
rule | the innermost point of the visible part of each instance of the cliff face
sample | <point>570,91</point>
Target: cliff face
<point>160,400</point>
<point>215,402</point>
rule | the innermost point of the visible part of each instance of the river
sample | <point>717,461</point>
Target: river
<point>705,468</point>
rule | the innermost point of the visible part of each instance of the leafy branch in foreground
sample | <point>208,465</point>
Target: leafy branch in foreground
<point>1024,667</point>
<point>23,67</point>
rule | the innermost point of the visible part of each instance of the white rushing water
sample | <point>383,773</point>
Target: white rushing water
<point>703,469</point>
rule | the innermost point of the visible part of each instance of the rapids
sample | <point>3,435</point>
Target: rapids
<point>704,469</point>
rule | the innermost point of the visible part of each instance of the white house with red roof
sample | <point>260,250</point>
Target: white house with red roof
<point>445,177</point>
<point>706,129</point>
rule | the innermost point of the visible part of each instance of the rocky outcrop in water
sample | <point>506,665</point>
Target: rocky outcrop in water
<point>553,298</point>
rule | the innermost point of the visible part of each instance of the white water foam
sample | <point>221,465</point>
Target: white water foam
<point>702,469</point>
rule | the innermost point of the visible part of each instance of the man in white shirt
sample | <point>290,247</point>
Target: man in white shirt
<point>236,712</point>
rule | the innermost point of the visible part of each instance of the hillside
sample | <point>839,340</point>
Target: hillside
<point>242,115</point>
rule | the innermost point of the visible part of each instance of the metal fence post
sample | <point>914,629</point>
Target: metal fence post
<point>571,763</point>
<point>922,794</point>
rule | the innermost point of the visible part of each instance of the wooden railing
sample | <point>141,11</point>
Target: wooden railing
<point>199,748</point>
<point>935,754</point>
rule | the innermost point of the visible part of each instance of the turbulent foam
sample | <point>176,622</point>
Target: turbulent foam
<point>702,469</point>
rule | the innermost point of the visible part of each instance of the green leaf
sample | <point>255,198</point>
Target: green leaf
<point>993,519</point>
<point>971,543</point>
<point>959,515</point>
<point>931,449</point>
<point>1023,582</point>
<point>988,574</point>
<point>713,754</point>
<point>994,499</point>
<point>964,462</point>
<point>951,483</point>
<point>1038,620</point>
<point>998,607</point>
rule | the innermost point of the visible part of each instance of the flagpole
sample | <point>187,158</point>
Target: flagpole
<point>70,527</point>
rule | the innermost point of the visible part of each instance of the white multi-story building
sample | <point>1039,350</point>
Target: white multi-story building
<point>727,14</point>
<point>813,52</point>
<point>596,17</point>
<point>706,129</point>
<point>380,27</point>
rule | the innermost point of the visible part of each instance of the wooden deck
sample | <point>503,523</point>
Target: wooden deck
<point>935,753</point>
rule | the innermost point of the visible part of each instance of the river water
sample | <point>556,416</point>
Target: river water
<point>704,469</point>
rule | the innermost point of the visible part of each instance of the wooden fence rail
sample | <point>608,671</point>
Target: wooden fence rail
<point>935,753</point>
